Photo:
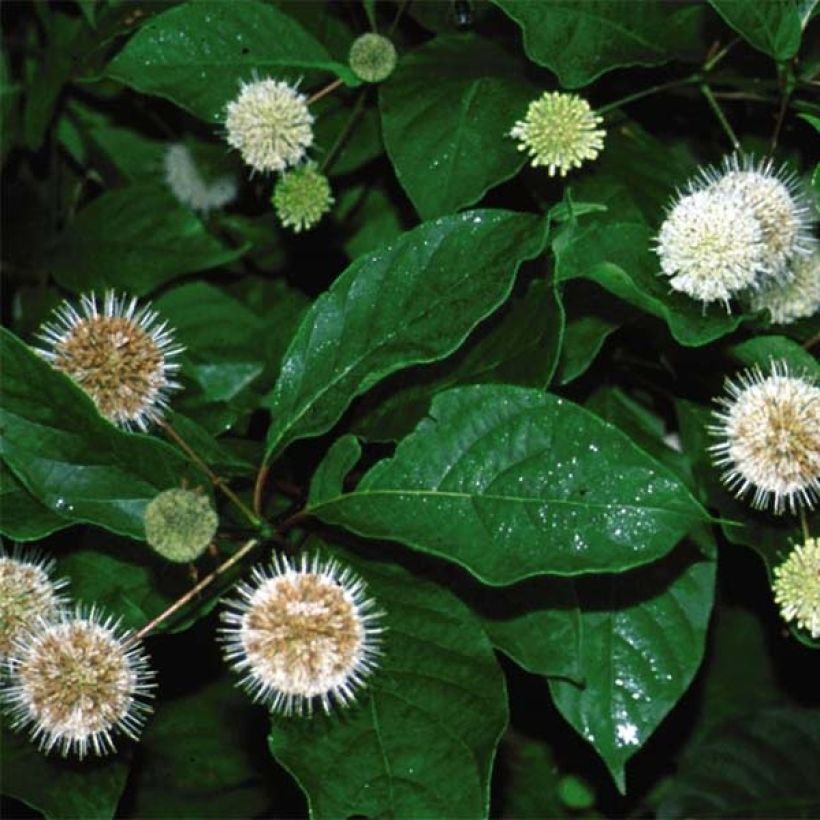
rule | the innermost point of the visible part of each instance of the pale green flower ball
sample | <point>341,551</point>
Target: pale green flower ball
<point>302,197</point>
<point>372,58</point>
<point>180,524</point>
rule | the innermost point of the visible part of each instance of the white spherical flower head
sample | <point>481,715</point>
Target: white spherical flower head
<point>797,587</point>
<point>28,592</point>
<point>795,298</point>
<point>270,125</point>
<point>75,683</point>
<point>769,438</point>
<point>189,187</point>
<point>560,132</point>
<point>779,204</point>
<point>302,634</point>
<point>122,356</point>
<point>711,246</point>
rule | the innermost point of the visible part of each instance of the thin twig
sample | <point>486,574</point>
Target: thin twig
<point>718,112</point>
<point>345,132</point>
<point>785,96</point>
<point>399,13</point>
<point>323,92</point>
<point>804,524</point>
<point>655,89</point>
<point>259,488</point>
<point>194,591</point>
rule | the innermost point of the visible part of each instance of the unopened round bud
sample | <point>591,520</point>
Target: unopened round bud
<point>372,57</point>
<point>179,524</point>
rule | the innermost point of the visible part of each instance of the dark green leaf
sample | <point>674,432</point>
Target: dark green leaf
<point>765,764</point>
<point>422,740</point>
<point>413,301</point>
<point>70,458</point>
<point>644,635</point>
<point>22,516</point>
<point>581,39</point>
<point>368,216</point>
<point>198,54</point>
<point>134,239</point>
<point>762,350</point>
<point>61,789</point>
<point>519,345</point>
<point>583,339</point>
<point>202,756</point>
<point>511,483</point>
<point>773,27</point>
<point>446,114</point>
<point>531,779</point>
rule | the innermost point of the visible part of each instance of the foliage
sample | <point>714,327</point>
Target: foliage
<point>468,383</point>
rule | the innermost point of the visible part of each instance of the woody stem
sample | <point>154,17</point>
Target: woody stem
<point>323,92</point>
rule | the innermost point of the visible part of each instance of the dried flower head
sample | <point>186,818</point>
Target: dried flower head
<point>711,246</point>
<point>777,200</point>
<point>302,634</point>
<point>28,592</point>
<point>769,438</point>
<point>793,299</point>
<point>559,131</point>
<point>189,187</point>
<point>180,524</point>
<point>270,125</point>
<point>797,587</point>
<point>75,682</point>
<point>302,197</point>
<point>120,355</point>
<point>372,57</point>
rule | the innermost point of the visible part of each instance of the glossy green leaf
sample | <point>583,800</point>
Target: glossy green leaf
<point>203,755</point>
<point>773,27</point>
<point>764,764</point>
<point>198,54</point>
<point>61,789</point>
<point>583,339</point>
<point>581,39</point>
<point>644,635</point>
<point>446,115</point>
<point>369,215</point>
<point>413,301</point>
<point>518,345</point>
<point>511,483</point>
<point>134,239</point>
<point>762,350</point>
<point>71,459</point>
<point>22,516</point>
<point>421,740</point>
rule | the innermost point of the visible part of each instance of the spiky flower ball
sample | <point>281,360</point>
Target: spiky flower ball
<point>711,246</point>
<point>797,297</point>
<point>121,355</point>
<point>560,132</point>
<point>781,208</point>
<point>302,634</point>
<point>372,57</point>
<point>188,185</point>
<point>270,125</point>
<point>797,587</point>
<point>302,197</point>
<point>180,524</point>
<point>75,683</point>
<point>28,592</point>
<point>768,430</point>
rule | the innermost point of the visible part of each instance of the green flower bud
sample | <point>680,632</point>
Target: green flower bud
<point>372,58</point>
<point>179,524</point>
<point>302,197</point>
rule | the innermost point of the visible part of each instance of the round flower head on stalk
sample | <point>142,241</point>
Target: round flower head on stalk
<point>372,57</point>
<point>122,356</point>
<point>777,200</point>
<point>797,587</point>
<point>302,633</point>
<point>560,132</point>
<point>28,592</point>
<point>711,246</point>
<point>270,125</point>
<point>302,197</point>
<point>768,428</point>
<point>187,184</point>
<point>180,524</point>
<point>797,297</point>
<point>76,682</point>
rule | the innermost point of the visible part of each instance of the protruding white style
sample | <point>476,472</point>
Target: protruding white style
<point>768,430</point>
<point>302,634</point>
<point>122,356</point>
<point>188,185</point>
<point>270,124</point>
<point>797,587</point>
<point>75,683</point>
<point>796,298</point>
